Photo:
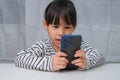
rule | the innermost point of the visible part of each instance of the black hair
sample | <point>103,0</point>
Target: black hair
<point>61,8</point>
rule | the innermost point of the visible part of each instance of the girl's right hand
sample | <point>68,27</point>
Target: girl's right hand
<point>59,61</point>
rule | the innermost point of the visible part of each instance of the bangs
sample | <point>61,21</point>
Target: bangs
<point>55,16</point>
<point>60,10</point>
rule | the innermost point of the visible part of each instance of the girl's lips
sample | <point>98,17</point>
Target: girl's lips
<point>58,40</point>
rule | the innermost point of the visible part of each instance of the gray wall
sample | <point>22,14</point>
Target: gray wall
<point>21,25</point>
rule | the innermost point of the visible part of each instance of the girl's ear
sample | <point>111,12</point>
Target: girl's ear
<point>45,24</point>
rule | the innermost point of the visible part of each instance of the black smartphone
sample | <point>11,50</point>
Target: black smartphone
<point>70,44</point>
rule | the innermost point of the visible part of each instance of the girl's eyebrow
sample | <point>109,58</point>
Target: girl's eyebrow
<point>68,25</point>
<point>64,25</point>
<point>54,25</point>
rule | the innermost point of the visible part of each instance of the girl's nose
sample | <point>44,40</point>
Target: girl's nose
<point>61,32</point>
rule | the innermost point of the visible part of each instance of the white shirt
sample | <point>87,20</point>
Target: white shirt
<point>39,56</point>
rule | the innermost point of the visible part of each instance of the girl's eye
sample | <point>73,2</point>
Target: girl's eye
<point>67,27</point>
<point>55,26</point>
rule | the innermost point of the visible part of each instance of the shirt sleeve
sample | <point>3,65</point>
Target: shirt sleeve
<point>34,58</point>
<point>94,57</point>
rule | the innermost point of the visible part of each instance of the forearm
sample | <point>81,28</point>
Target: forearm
<point>94,58</point>
<point>33,62</point>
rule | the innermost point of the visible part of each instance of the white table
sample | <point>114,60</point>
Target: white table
<point>109,71</point>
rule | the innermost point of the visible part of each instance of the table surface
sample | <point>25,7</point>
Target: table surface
<point>109,71</point>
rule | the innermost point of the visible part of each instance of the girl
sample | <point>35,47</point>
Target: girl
<point>60,19</point>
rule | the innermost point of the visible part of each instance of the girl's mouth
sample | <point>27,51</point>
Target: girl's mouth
<point>58,40</point>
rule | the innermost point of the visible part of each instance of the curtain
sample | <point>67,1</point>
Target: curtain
<point>21,26</point>
<point>12,28</point>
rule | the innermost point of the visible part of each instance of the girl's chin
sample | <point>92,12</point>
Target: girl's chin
<point>58,45</point>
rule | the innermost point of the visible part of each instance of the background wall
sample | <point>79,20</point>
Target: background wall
<point>21,26</point>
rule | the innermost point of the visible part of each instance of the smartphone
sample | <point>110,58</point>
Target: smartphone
<point>70,44</point>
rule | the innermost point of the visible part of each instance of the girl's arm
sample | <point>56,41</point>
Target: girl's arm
<point>35,57</point>
<point>93,56</point>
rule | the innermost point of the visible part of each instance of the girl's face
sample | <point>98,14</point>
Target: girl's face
<point>56,31</point>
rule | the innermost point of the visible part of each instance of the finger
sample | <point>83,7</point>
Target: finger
<point>62,59</point>
<point>61,54</point>
<point>58,67</point>
<point>76,61</point>
<point>79,61</point>
<point>61,63</point>
<point>80,53</point>
<point>81,65</point>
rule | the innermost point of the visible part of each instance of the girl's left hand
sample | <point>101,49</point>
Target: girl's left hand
<point>81,59</point>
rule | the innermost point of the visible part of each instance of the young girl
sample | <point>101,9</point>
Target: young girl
<point>60,19</point>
